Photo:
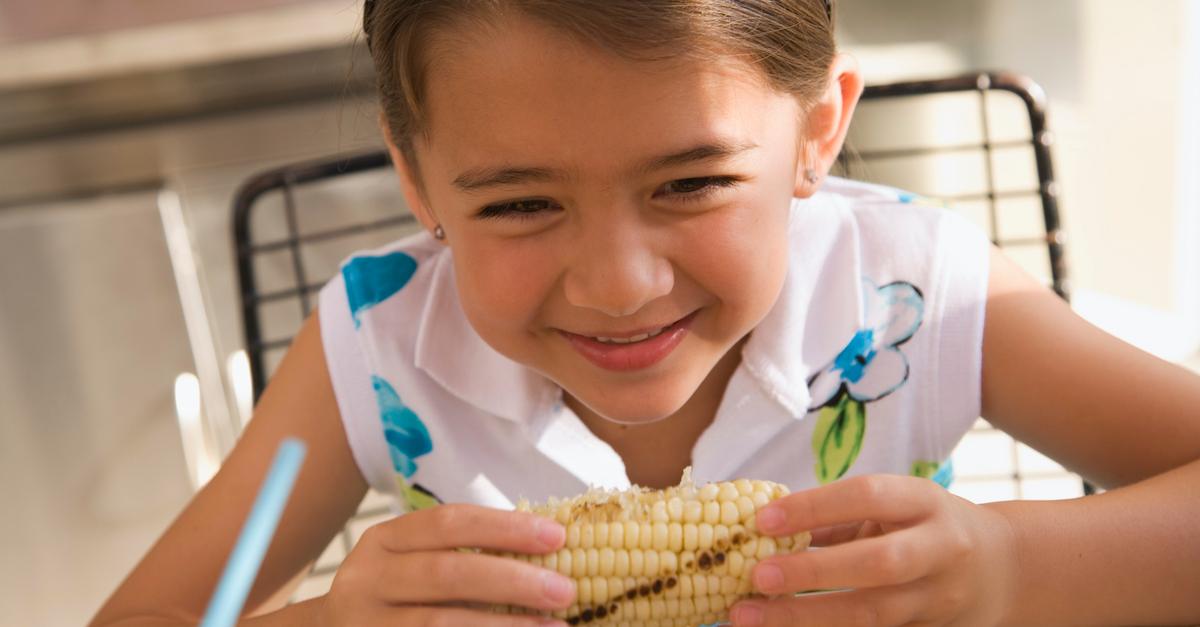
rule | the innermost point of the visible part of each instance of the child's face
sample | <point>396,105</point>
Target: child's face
<point>581,241</point>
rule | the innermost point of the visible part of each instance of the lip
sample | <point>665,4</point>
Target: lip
<point>635,356</point>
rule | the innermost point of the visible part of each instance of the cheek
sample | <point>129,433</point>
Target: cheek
<point>502,284</point>
<point>740,256</point>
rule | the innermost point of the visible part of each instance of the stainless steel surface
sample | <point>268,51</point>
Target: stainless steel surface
<point>68,109</point>
<point>22,20</point>
<point>218,419</point>
<point>91,337</point>
<point>92,333</point>
<point>79,139</point>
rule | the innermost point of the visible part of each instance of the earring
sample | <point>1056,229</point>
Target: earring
<point>810,175</point>
<point>439,232</point>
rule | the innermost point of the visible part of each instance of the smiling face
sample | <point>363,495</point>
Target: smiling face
<point>615,225</point>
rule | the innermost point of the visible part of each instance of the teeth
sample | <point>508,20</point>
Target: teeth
<point>629,340</point>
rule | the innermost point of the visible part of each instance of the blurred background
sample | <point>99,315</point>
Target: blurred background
<point>126,126</point>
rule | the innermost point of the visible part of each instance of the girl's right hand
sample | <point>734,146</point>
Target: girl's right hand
<point>407,571</point>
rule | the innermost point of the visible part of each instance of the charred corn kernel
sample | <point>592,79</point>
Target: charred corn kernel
<point>675,557</point>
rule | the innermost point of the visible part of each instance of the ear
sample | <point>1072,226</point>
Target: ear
<point>414,194</point>
<point>825,124</point>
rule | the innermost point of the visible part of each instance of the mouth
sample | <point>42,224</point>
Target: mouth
<point>632,350</point>
<point>631,339</point>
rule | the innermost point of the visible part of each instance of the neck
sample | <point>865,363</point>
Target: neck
<point>655,453</point>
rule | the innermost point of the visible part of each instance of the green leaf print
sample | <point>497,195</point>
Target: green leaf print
<point>941,474</point>
<point>417,499</point>
<point>838,436</point>
<point>924,469</point>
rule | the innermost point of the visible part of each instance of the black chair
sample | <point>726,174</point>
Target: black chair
<point>978,142</point>
<point>997,127</point>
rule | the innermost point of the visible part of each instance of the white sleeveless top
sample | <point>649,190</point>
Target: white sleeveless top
<point>869,362</point>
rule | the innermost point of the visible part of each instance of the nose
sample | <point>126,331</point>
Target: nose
<point>616,269</point>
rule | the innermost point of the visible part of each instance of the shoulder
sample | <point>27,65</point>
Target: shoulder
<point>891,231</point>
<point>888,213</point>
<point>399,269</point>
<point>904,292</point>
<point>371,313</point>
<point>386,289</point>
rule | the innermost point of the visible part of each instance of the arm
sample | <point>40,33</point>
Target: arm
<point>172,583</point>
<point>1118,416</point>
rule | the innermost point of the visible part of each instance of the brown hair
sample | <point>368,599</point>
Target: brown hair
<point>791,41</point>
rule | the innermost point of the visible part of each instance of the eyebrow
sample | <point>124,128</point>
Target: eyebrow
<point>476,179</point>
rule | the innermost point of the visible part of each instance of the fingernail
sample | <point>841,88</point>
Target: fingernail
<point>558,589</point>
<point>550,533</point>
<point>771,518</point>
<point>747,615</point>
<point>768,577</point>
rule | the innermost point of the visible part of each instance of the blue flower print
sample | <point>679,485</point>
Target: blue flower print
<point>406,435</point>
<point>372,280</point>
<point>869,368</point>
<point>871,365</point>
<point>909,198</point>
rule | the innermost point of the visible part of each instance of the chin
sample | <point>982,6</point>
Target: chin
<point>631,408</point>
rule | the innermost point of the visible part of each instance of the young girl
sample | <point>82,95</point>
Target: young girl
<point>633,261</point>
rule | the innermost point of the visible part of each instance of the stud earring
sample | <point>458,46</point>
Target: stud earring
<point>810,175</point>
<point>439,232</point>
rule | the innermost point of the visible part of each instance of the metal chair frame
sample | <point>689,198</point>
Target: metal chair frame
<point>1041,139</point>
<point>286,179</point>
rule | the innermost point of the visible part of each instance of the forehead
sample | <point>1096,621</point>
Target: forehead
<point>524,91</point>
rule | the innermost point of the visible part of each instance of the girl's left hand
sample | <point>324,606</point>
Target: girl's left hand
<point>908,551</point>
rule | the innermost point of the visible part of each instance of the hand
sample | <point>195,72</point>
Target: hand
<point>407,571</point>
<point>909,552</point>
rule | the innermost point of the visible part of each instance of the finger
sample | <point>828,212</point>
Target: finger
<point>881,498</point>
<point>462,525</point>
<point>425,616</point>
<point>896,558</point>
<point>879,607</point>
<point>836,534</point>
<point>435,576</point>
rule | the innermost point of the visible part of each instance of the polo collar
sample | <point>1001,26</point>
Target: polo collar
<point>816,313</point>
<point>451,352</point>
<point>819,306</point>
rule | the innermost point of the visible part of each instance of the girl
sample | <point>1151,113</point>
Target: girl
<point>634,262</point>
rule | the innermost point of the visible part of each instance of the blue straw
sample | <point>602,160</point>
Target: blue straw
<point>242,567</point>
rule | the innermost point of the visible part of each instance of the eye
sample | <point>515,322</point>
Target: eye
<point>518,209</point>
<point>699,187</point>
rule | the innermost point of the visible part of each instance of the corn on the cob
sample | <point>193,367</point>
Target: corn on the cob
<point>660,558</point>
